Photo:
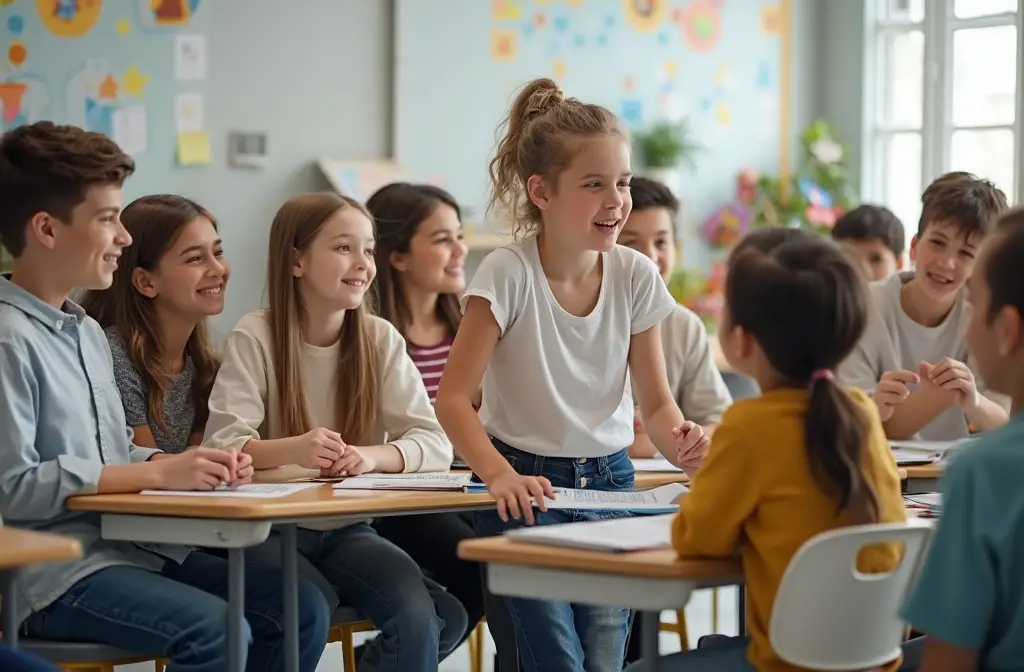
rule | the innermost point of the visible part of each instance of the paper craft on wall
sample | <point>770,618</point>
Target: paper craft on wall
<point>188,112</point>
<point>69,18</point>
<point>130,129</point>
<point>134,82</point>
<point>190,57</point>
<point>506,10</point>
<point>194,148</point>
<point>167,13</point>
<point>700,24</point>
<point>503,45</point>
<point>770,19</point>
<point>645,15</point>
<point>359,179</point>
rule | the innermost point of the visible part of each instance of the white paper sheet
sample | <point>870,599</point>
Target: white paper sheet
<point>130,129</point>
<point>620,535</point>
<point>188,112</point>
<point>937,447</point>
<point>653,464</point>
<point>908,457</point>
<point>426,481</point>
<point>662,499</point>
<point>253,490</point>
<point>190,57</point>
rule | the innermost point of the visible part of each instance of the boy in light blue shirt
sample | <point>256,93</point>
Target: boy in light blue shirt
<point>63,432</point>
<point>968,596</point>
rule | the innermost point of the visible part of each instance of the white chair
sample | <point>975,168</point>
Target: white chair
<point>829,616</point>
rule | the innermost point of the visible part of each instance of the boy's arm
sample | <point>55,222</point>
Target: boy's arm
<point>657,407</point>
<point>939,656</point>
<point>33,489</point>
<point>920,408</point>
<point>942,604</point>
<point>700,390</point>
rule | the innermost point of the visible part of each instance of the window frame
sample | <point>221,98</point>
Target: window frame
<point>938,26</point>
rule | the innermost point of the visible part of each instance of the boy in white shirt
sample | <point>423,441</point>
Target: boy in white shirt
<point>694,378</point>
<point>912,357</point>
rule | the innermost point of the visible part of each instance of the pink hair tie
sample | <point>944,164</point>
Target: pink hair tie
<point>821,374</point>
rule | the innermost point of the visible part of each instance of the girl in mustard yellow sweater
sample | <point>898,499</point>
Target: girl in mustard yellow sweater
<point>806,456</point>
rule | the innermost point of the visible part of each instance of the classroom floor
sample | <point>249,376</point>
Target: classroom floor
<point>698,620</point>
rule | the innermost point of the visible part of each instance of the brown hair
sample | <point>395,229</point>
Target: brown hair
<point>964,200</point>
<point>49,168</point>
<point>806,304</point>
<point>1002,265</point>
<point>295,227</point>
<point>154,222</point>
<point>537,135</point>
<point>398,210</point>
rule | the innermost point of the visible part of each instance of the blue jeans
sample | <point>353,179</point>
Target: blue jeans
<point>419,621</point>
<point>557,636</point>
<point>20,661</point>
<point>181,614</point>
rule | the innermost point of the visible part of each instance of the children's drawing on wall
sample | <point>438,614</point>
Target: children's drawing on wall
<point>645,15</point>
<point>23,96</point>
<point>503,45</point>
<point>506,10</point>
<point>167,13</point>
<point>700,24</point>
<point>96,92</point>
<point>190,57</point>
<point>770,19</point>
<point>69,18</point>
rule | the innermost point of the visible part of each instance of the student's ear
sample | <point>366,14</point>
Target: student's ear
<point>142,281</point>
<point>913,248</point>
<point>899,262</point>
<point>539,192</point>
<point>298,269</point>
<point>42,227</point>
<point>398,261</point>
<point>1009,331</point>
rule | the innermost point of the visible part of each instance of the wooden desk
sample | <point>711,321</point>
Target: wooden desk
<point>19,548</point>
<point>650,581</point>
<point>923,478</point>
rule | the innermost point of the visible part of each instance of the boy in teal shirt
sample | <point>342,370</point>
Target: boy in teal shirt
<point>967,598</point>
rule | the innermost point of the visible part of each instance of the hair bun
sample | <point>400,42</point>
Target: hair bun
<point>542,95</point>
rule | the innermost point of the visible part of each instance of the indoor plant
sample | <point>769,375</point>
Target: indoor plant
<point>664,149</point>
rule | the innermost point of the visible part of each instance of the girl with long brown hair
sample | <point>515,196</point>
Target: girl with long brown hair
<point>805,457</point>
<point>316,381</point>
<point>169,281</point>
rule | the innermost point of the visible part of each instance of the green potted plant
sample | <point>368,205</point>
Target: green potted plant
<point>664,149</point>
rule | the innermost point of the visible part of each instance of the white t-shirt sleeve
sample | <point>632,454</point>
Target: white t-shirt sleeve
<point>500,280</point>
<point>651,301</point>
<point>699,389</point>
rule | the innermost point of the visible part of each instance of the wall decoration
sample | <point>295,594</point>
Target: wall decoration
<point>134,82</point>
<point>503,45</point>
<point>194,148</point>
<point>69,18</point>
<point>506,10</point>
<point>359,179</point>
<point>770,19</point>
<point>188,112</point>
<point>16,24</point>
<point>632,112</point>
<point>700,24</point>
<point>540,20</point>
<point>129,129</point>
<point>645,15</point>
<point>124,26</point>
<point>190,57</point>
<point>167,13</point>
<point>17,53</point>
<point>723,114</point>
<point>22,101</point>
<point>559,68</point>
<point>92,97</point>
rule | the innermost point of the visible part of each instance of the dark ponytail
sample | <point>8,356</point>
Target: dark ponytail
<point>806,305</point>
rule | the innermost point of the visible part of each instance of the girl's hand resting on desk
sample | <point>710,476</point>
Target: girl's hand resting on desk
<point>317,449</point>
<point>691,445</point>
<point>243,469</point>
<point>515,494</point>
<point>197,469</point>
<point>352,463</point>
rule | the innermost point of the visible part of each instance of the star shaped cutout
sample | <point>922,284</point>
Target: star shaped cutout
<point>134,82</point>
<point>108,88</point>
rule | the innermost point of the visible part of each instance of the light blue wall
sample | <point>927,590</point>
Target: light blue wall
<point>317,76</point>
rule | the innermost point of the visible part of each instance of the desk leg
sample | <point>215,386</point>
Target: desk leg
<point>649,633</point>
<point>237,646</point>
<point>741,609</point>
<point>290,591</point>
<point>10,596</point>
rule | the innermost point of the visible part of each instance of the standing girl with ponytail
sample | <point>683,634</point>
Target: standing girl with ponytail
<point>806,456</point>
<point>553,325</point>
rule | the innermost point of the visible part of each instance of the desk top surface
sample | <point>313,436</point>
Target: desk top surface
<point>25,547</point>
<point>656,564</point>
<point>313,502</point>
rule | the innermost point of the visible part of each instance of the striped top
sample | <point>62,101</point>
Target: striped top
<point>430,361</point>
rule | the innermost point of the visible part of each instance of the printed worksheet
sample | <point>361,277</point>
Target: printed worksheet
<point>253,490</point>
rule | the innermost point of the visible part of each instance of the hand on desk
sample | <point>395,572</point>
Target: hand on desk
<point>515,494</point>
<point>352,462</point>
<point>317,449</point>
<point>203,469</point>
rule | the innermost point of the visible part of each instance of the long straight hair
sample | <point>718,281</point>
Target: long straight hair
<point>154,222</point>
<point>803,301</point>
<point>398,210</point>
<point>294,229</point>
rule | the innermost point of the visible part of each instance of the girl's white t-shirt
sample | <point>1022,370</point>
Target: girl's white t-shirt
<point>557,384</point>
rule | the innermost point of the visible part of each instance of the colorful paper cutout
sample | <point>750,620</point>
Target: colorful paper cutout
<point>503,45</point>
<point>559,68</point>
<point>108,87</point>
<point>700,24</point>
<point>11,94</point>
<point>16,24</point>
<point>506,10</point>
<point>124,26</point>
<point>632,111</point>
<point>17,53</point>
<point>134,82</point>
<point>194,148</point>
<point>770,19</point>
<point>173,12</point>
<point>723,114</point>
<point>99,117</point>
<point>645,15</point>
<point>540,20</point>
<point>69,18</point>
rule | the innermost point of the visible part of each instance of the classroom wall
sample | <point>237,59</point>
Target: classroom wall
<point>330,61</point>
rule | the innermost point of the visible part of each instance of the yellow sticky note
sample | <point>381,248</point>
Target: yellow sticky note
<point>194,148</point>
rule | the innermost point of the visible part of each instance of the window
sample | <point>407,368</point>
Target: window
<point>942,84</point>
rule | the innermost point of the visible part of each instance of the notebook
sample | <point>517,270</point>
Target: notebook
<point>617,536</point>
<point>426,481</point>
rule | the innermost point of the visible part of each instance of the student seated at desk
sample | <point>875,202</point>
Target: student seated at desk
<point>967,595</point>
<point>63,432</point>
<point>168,281</point>
<point>806,456</point>
<point>912,357</point>
<point>875,236</point>
<point>317,381</point>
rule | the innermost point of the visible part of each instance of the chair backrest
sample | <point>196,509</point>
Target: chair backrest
<point>829,616</point>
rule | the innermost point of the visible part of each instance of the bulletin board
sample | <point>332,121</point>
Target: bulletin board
<point>134,70</point>
<point>717,63</point>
